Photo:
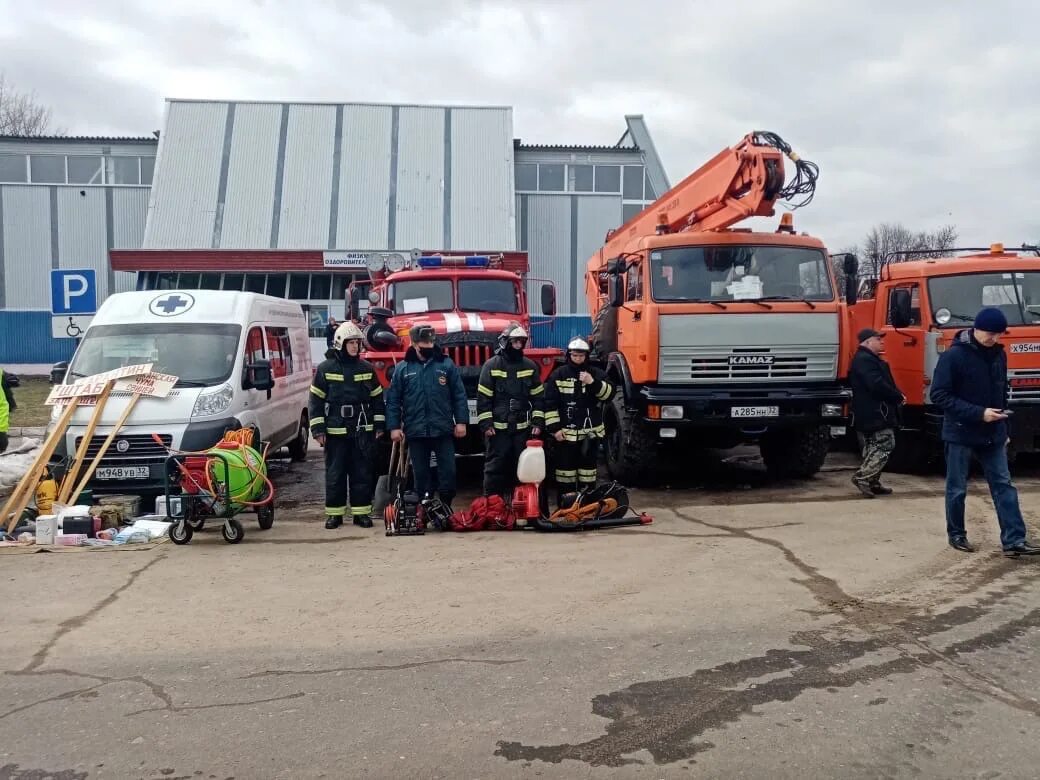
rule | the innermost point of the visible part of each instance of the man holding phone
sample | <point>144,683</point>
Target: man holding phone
<point>970,386</point>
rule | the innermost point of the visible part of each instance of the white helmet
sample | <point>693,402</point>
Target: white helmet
<point>348,331</point>
<point>516,332</point>
<point>578,345</point>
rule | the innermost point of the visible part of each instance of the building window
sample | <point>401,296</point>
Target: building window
<point>298,286</point>
<point>12,168</point>
<point>551,177</point>
<point>582,178</point>
<point>526,176</point>
<point>47,168</point>
<point>188,282</point>
<point>629,210</point>
<point>321,285</point>
<point>209,282</point>
<point>340,282</point>
<point>86,170</point>
<point>633,183</point>
<point>648,188</point>
<point>608,178</point>
<point>122,170</point>
<point>233,281</point>
<point>255,283</point>
<point>276,285</point>
<point>147,169</point>
<point>166,280</point>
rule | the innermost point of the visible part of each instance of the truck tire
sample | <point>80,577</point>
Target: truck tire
<point>797,453</point>
<point>631,449</point>
<point>603,339</point>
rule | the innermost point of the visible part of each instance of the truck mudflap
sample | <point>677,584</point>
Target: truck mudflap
<point>744,408</point>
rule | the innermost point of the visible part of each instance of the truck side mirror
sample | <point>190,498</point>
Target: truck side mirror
<point>851,269</point>
<point>899,312</point>
<point>615,291</point>
<point>549,300</point>
<point>58,372</point>
<point>259,376</point>
<point>354,305</point>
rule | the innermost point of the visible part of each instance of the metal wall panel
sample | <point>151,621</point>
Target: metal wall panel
<point>307,177</point>
<point>549,247</point>
<point>252,164</point>
<point>25,337</point>
<point>420,178</point>
<point>481,193</point>
<point>184,193</point>
<point>82,242</point>
<point>27,247</point>
<point>596,215</point>
<point>364,181</point>
<point>129,215</point>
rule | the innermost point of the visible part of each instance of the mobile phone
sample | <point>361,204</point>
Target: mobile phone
<point>1007,412</point>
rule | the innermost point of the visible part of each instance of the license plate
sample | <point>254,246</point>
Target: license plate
<point>121,472</point>
<point>755,411</point>
<point>472,411</point>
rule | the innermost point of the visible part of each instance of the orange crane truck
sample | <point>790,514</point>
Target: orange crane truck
<point>716,335</point>
<point>921,305</point>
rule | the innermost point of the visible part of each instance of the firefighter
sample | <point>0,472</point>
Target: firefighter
<point>510,398</point>
<point>347,415</point>
<point>574,398</point>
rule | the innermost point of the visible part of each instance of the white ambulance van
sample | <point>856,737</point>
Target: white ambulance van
<point>242,360</point>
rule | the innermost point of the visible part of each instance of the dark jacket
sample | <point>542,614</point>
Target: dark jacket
<point>510,394</point>
<point>875,396</point>
<point>575,407</point>
<point>426,398</point>
<point>969,379</point>
<point>346,398</point>
<point>330,334</point>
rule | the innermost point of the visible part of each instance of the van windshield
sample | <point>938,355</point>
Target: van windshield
<point>199,354</point>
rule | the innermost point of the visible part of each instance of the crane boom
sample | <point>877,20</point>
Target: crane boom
<point>741,181</point>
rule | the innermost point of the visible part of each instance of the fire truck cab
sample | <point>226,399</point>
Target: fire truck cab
<point>921,305</point>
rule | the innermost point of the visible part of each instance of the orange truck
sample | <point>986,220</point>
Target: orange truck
<point>921,305</point>
<point>716,335</point>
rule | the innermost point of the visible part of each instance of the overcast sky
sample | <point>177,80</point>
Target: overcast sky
<point>916,111</point>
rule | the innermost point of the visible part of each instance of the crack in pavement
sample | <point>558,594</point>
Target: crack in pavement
<point>40,656</point>
<point>386,668</point>
<point>664,717</point>
<point>221,705</point>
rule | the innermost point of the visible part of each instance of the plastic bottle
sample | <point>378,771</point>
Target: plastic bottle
<point>530,468</point>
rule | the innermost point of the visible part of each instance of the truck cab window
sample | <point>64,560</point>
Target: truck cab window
<point>634,283</point>
<point>915,305</point>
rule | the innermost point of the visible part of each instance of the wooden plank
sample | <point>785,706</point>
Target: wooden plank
<point>107,443</point>
<point>72,471</point>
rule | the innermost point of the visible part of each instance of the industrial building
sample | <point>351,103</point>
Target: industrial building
<point>288,198</point>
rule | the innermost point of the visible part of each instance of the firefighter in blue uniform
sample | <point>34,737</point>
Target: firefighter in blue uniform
<point>574,398</point>
<point>347,415</point>
<point>510,409</point>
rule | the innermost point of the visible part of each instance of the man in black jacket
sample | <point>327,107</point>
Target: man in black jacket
<point>427,404</point>
<point>875,412</point>
<point>970,386</point>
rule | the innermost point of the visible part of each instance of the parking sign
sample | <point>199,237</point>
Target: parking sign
<point>73,291</point>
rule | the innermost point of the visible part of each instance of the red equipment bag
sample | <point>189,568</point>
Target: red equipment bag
<point>491,513</point>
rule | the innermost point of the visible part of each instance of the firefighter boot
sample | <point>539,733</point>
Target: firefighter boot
<point>363,521</point>
<point>333,521</point>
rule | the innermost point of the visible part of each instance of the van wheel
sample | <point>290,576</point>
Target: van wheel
<point>298,446</point>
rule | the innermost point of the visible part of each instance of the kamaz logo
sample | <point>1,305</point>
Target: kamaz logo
<point>751,360</point>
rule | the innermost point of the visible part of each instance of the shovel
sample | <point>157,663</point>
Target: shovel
<point>384,490</point>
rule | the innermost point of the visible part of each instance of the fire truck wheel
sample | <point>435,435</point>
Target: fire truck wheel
<point>298,446</point>
<point>265,516</point>
<point>604,333</point>
<point>233,532</point>
<point>180,532</point>
<point>795,454</point>
<point>631,450</point>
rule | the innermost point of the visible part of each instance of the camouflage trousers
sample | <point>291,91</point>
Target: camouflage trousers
<point>877,446</point>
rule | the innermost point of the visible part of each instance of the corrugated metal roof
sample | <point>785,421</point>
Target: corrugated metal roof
<point>256,175</point>
<point>81,139</point>
<point>518,144</point>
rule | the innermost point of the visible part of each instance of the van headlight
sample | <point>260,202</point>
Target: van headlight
<point>214,402</point>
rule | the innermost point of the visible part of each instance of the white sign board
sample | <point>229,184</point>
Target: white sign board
<point>344,259</point>
<point>93,385</point>
<point>152,384</point>
<point>69,326</point>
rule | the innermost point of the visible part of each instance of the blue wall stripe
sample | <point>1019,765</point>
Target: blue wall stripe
<point>557,331</point>
<point>25,337</point>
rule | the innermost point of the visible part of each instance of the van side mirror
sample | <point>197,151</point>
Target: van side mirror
<point>615,291</point>
<point>58,371</point>
<point>899,312</point>
<point>259,376</point>
<point>851,268</point>
<point>549,300</point>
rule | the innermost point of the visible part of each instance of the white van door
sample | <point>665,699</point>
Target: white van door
<point>284,414</point>
<point>255,403</point>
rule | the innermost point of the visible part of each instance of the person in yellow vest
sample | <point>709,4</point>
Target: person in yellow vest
<point>7,405</point>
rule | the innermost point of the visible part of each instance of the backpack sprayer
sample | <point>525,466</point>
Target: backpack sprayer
<point>222,482</point>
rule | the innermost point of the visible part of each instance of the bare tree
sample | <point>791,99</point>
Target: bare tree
<point>890,242</point>
<point>22,114</point>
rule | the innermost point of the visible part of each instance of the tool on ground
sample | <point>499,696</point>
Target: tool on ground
<point>405,515</point>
